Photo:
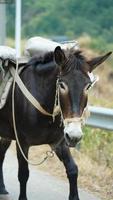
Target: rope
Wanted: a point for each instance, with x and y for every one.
(49, 154)
(82, 119)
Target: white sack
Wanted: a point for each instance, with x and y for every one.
(7, 52)
(39, 46)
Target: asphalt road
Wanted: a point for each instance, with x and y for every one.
(41, 186)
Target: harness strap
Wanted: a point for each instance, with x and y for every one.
(49, 154)
(28, 95)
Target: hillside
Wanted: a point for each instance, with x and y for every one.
(67, 17)
(102, 92)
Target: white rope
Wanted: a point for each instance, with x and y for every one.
(82, 119)
(49, 154)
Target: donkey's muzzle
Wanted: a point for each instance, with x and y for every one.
(71, 141)
(73, 132)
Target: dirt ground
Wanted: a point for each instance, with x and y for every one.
(92, 177)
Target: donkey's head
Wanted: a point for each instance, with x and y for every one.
(75, 80)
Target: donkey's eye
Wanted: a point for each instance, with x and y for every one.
(63, 88)
(62, 85)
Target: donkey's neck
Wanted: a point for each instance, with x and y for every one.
(42, 87)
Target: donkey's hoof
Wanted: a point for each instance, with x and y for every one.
(22, 199)
(5, 197)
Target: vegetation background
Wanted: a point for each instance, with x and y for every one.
(66, 17)
(91, 23)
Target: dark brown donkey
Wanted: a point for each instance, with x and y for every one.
(59, 78)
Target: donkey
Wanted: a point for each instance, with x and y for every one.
(58, 78)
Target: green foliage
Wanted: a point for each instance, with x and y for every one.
(10, 26)
(98, 144)
(100, 44)
(66, 17)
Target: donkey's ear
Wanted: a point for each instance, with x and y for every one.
(97, 61)
(59, 55)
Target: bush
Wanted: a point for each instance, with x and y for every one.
(98, 144)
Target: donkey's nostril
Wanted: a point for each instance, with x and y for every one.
(79, 138)
(72, 141)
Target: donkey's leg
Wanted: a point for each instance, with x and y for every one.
(23, 171)
(4, 144)
(64, 155)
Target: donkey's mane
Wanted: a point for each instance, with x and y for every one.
(35, 60)
(80, 62)
(75, 60)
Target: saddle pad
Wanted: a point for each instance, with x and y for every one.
(7, 53)
(5, 87)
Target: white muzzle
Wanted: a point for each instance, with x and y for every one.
(72, 131)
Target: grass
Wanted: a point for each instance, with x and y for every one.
(98, 144)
